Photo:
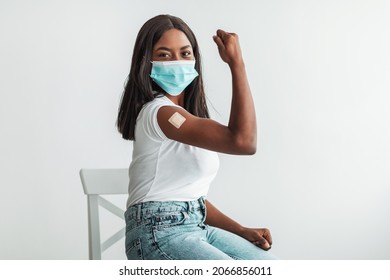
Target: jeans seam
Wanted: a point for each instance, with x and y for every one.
(158, 247)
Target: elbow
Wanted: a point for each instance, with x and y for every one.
(246, 147)
(250, 150)
(253, 150)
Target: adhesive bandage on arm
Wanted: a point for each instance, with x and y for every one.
(177, 120)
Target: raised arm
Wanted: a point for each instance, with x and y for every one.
(239, 136)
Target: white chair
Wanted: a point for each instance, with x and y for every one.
(97, 182)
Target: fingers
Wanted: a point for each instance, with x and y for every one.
(220, 39)
(223, 35)
(219, 42)
(264, 239)
(262, 243)
(267, 235)
(228, 47)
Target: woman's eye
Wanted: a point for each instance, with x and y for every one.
(163, 55)
(186, 53)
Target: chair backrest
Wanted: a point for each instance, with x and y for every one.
(97, 182)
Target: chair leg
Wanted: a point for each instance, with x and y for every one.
(94, 227)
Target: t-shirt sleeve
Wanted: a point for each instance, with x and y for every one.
(151, 126)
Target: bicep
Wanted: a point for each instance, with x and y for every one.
(179, 125)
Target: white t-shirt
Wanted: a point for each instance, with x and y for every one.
(163, 169)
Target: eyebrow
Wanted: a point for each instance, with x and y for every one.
(168, 49)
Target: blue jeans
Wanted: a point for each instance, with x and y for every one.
(175, 230)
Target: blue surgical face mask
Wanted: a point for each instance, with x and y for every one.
(173, 76)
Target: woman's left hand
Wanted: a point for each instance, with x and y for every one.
(261, 237)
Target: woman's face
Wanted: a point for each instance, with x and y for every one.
(173, 45)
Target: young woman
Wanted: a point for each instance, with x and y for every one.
(163, 109)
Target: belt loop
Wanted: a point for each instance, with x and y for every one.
(139, 208)
(188, 206)
(202, 202)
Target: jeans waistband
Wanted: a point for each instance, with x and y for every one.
(149, 208)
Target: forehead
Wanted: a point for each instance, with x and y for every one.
(172, 38)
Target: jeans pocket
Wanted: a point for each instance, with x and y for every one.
(165, 231)
(134, 250)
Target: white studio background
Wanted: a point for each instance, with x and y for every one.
(319, 72)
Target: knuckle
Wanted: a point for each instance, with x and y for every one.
(263, 241)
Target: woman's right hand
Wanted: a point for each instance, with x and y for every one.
(228, 47)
